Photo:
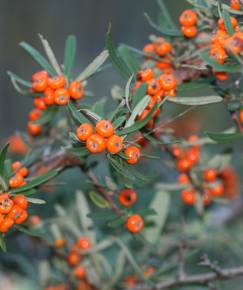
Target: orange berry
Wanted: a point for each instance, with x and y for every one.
(183, 165)
(16, 181)
(235, 4)
(177, 152)
(148, 48)
(34, 129)
(241, 116)
(104, 128)
(16, 165)
(193, 155)
(23, 171)
(59, 243)
(217, 190)
(189, 32)
(84, 243)
(57, 82)
(144, 115)
(133, 154)
(84, 131)
(35, 114)
(188, 18)
(6, 224)
(73, 259)
(114, 144)
(39, 75)
(167, 82)
(95, 143)
(163, 65)
(218, 54)
(233, 21)
(183, 178)
(76, 90)
(6, 203)
(15, 212)
(221, 76)
(39, 104)
(21, 201)
(49, 96)
(145, 75)
(127, 197)
(153, 87)
(79, 272)
(188, 197)
(61, 97)
(163, 48)
(210, 175)
(22, 217)
(135, 224)
(40, 84)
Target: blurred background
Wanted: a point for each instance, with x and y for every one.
(87, 19)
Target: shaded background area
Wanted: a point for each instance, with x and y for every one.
(87, 19)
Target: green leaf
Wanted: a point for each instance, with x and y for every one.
(224, 137)
(140, 93)
(147, 212)
(117, 222)
(99, 107)
(3, 154)
(119, 121)
(69, 54)
(163, 30)
(129, 58)
(3, 244)
(116, 60)
(78, 151)
(36, 200)
(138, 125)
(79, 117)
(218, 67)
(33, 233)
(19, 79)
(38, 58)
(35, 182)
(196, 101)
(93, 66)
(120, 168)
(47, 115)
(165, 13)
(160, 204)
(98, 199)
(227, 22)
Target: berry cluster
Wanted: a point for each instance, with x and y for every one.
(20, 172)
(235, 4)
(50, 91)
(127, 197)
(188, 20)
(12, 210)
(75, 256)
(104, 138)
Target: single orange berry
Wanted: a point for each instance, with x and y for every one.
(6, 224)
(217, 190)
(104, 128)
(163, 48)
(57, 82)
(76, 90)
(73, 259)
(183, 178)
(95, 143)
(84, 131)
(218, 54)
(59, 243)
(135, 224)
(6, 203)
(79, 272)
(188, 197)
(148, 48)
(188, 18)
(16, 165)
(24, 171)
(133, 154)
(127, 197)
(22, 217)
(40, 104)
(40, 84)
(15, 212)
(61, 97)
(167, 82)
(84, 243)
(39, 75)
(114, 144)
(183, 165)
(221, 76)
(235, 4)
(177, 152)
(192, 155)
(210, 175)
(21, 201)
(153, 87)
(145, 75)
(189, 32)
(35, 114)
(49, 96)
(34, 129)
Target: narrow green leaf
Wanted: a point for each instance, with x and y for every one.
(224, 137)
(117, 222)
(140, 93)
(129, 58)
(127, 92)
(29, 232)
(122, 170)
(119, 121)
(3, 244)
(227, 22)
(160, 204)
(78, 116)
(38, 58)
(69, 54)
(3, 154)
(78, 151)
(98, 200)
(35, 182)
(165, 13)
(19, 79)
(93, 66)
(163, 30)
(116, 60)
(36, 200)
(196, 101)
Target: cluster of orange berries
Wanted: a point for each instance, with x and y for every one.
(222, 44)
(104, 138)
(50, 91)
(235, 4)
(188, 20)
(75, 257)
(127, 197)
(20, 172)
